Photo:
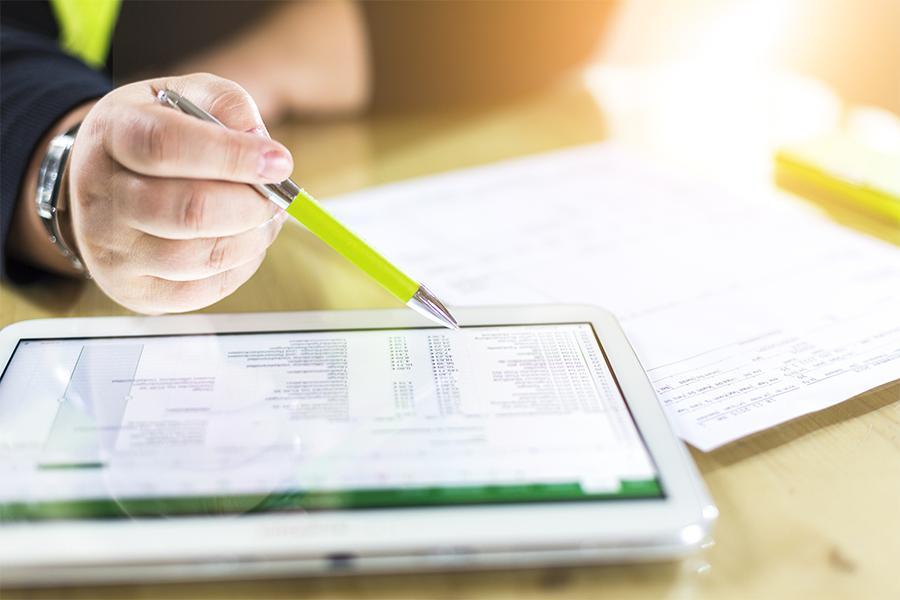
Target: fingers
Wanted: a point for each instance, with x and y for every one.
(160, 207)
(160, 141)
(158, 295)
(188, 260)
(188, 209)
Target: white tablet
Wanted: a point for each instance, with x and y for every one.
(272, 444)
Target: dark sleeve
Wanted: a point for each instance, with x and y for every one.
(446, 53)
(40, 84)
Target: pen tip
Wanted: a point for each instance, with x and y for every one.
(428, 305)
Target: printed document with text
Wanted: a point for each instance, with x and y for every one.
(745, 311)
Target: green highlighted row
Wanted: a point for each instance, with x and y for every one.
(108, 508)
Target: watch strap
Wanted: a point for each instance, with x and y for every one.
(51, 206)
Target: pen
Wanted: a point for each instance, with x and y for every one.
(304, 208)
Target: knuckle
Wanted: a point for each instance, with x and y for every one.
(130, 132)
(145, 192)
(218, 254)
(144, 198)
(194, 209)
(232, 100)
(101, 258)
(136, 187)
(156, 143)
(234, 153)
(95, 127)
(229, 281)
(88, 199)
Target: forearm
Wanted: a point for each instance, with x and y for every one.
(28, 239)
(427, 55)
(306, 57)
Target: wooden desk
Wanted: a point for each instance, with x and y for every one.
(808, 509)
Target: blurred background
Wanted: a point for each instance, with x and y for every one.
(805, 93)
(446, 50)
(705, 75)
(852, 46)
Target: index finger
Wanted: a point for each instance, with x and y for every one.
(160, 141)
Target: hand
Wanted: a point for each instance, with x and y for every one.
(161, 212)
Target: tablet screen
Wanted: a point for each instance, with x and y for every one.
(315, 420)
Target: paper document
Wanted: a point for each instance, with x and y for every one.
(745, 311)
(349, 418)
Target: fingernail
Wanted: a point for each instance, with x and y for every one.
(274, 165)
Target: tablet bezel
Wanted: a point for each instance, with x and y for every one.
(361, 539)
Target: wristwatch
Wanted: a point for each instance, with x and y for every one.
(51, 204)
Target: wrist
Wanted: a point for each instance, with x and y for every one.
(51, 196)
(28, 239)
(64, 222)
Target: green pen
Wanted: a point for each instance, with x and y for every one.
(303, 207)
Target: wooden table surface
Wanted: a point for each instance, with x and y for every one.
(808, 509)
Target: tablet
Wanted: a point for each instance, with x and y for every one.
(276, 444)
